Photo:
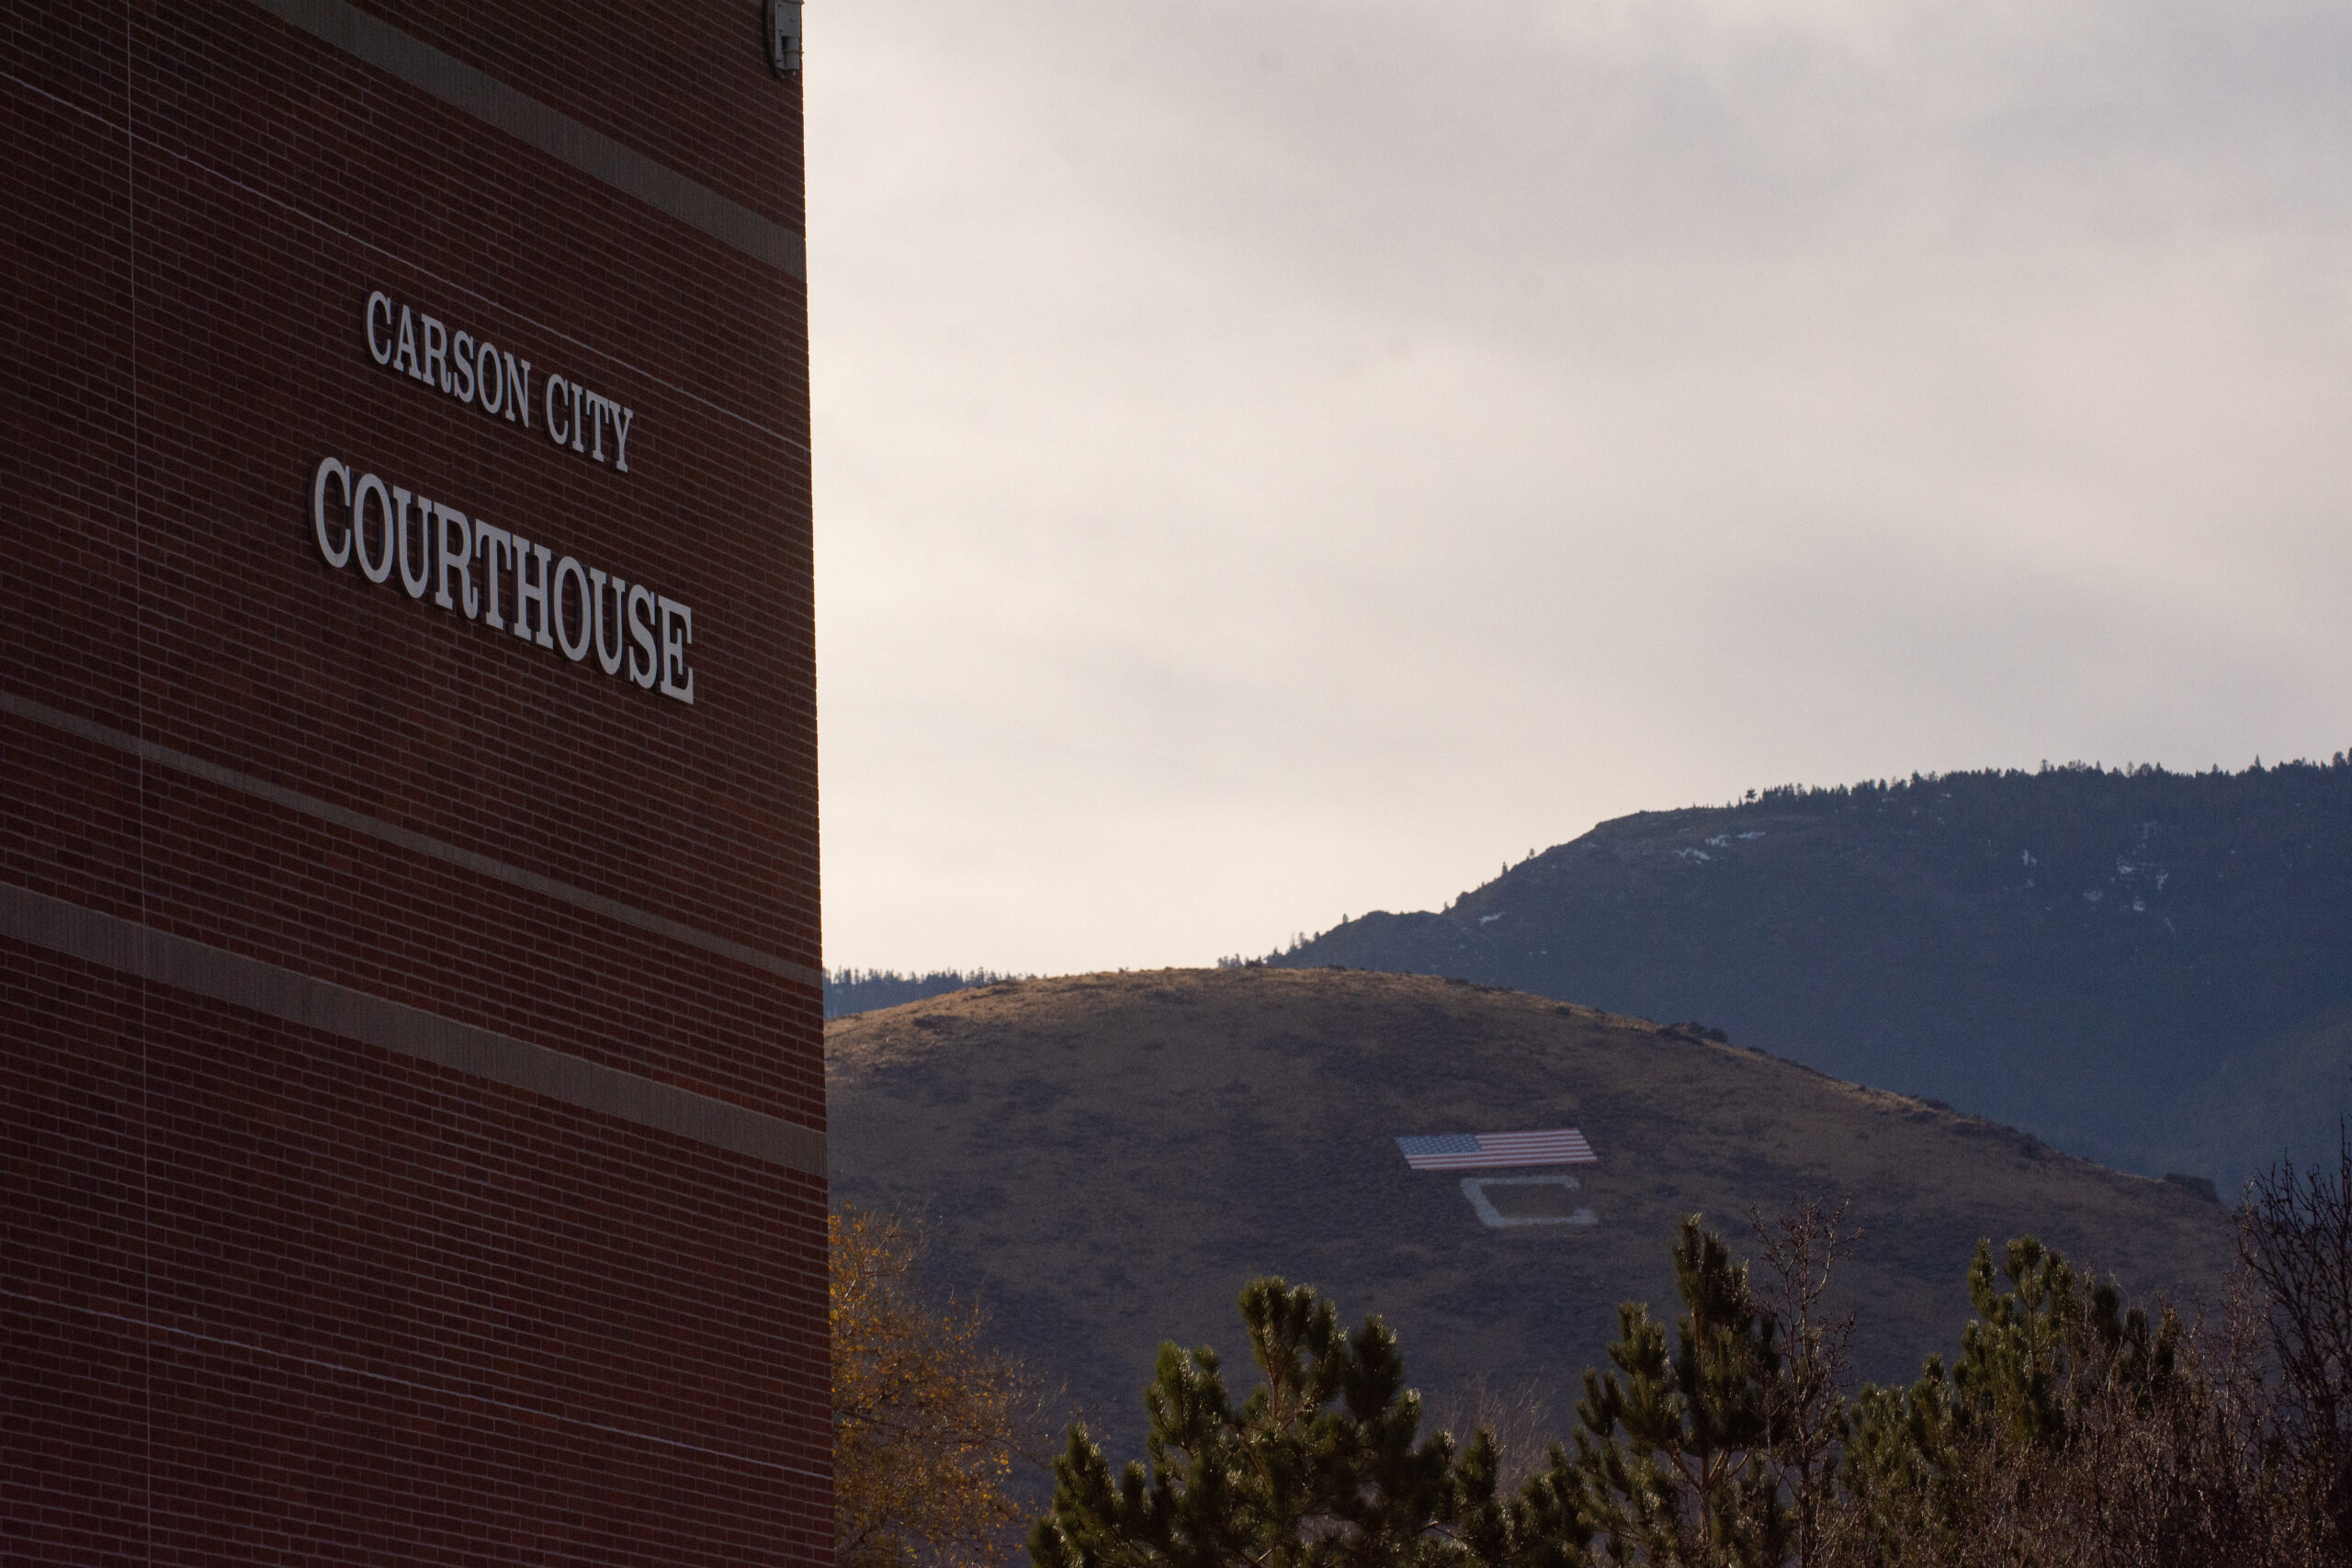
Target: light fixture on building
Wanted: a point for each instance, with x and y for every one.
(784, 37)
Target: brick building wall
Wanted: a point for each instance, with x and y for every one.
(412, 1060)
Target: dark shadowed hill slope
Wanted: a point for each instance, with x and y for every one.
(2150, 969)
(1107, 1158)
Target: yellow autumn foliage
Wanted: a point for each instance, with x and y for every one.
(928, 1422)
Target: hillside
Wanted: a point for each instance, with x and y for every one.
(2150, 969)
(1106, 1158)
(850, 991)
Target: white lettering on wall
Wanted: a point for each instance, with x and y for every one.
(336, 550)
(643, 667)
(459, 364)
(377, 566)
(555, 602)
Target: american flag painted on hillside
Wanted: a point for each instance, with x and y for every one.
(1482, 1151)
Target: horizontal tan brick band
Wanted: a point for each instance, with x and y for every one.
(408, 839)
(129, 948)
(550, 131)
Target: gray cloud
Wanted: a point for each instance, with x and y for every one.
(1282, 459)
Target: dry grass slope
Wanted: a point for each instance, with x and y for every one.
(1106, 1158)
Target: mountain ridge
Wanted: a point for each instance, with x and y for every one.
(2150, 969)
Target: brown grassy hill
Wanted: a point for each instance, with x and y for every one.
(1106, 1158)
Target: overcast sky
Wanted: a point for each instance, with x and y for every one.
(1276, 460)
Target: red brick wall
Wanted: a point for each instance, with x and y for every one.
(271, 1292)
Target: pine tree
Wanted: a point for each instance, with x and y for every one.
(1319, 1466)
(1973, 1459)
(1674, 1462)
